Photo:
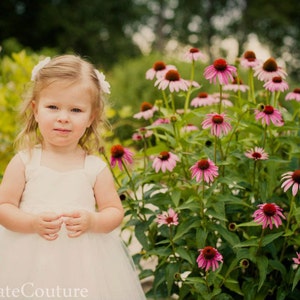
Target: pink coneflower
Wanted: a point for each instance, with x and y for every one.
(297, 259)
(294, 95)
(236, 85)
(269, 114)
(209, 257)
(172, 80)
(268, 70)
(225, 103)
(189, 128)
(142, 134)
(203, 99)
(165, 161)
(249, 60)
(147, 111)
(194, 54)
(257, 154)
(276, 84)
(292, 179)
(161, 121)
(267, 214)
(225, 97)
(217, 123)
(204, 170)
(219, 70)
(158, 70)
(120, 155)
(168, 218)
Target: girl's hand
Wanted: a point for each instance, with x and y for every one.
(47, 225)
(77, 222)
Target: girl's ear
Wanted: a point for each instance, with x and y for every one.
(34, 109)
(92, 118)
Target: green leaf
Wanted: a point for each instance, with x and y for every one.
(262, 265)
(161, 252)
(140, 230)
(176, 194)
(233, 285)
(230, 237)
(171, 270)
(270, 238)
(201, 236)
(185, 254)
(248, 224)
(249, 243)
(277, 265)
(296, 278)
(185, 228)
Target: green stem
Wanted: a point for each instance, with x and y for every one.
(233, 132)
(254, 173)
(206, 282)
(288, 222)
(277, 95)
(227, 274)
(251, 85)
(187, 99)
(264, 137)
(172, 242)
(130, 180)
(173, 102)
(111, 170)
(260, 241)
(165, 99)
(215, 150)
(202, 200)
(221, 96)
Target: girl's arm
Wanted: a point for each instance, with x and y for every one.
(11, 190)
(110, 210)
(14, 219)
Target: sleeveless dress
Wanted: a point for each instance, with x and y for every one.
(93, 266)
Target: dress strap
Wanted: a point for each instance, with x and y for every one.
(93, 166)
(32, 156)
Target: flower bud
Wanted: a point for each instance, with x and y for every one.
(232, 227)
(244, 263)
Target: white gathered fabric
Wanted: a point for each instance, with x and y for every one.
(97, 264)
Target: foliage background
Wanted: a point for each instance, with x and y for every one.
(109, 32)
(124, 38)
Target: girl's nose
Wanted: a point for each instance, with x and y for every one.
(63, 117)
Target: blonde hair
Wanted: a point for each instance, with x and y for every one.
(72, 69)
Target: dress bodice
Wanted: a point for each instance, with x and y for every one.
(49, 190)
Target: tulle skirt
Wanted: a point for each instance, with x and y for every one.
(92, 266)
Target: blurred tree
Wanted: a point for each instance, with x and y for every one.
(202, 23)
(108, 31)
(276, 23)
(190, 22)
(94, 28)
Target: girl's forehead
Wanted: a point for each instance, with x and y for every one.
(65, 90)
(66, 86)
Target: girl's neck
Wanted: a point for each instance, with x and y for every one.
(63, 159)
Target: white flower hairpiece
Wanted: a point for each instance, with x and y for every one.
(104, 85)
(38, 67)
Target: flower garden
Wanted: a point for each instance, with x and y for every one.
(210, 181)
(209, 177)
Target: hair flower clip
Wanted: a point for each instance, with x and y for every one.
(104, 85)
(38, 67)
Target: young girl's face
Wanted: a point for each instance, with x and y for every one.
(63, 112)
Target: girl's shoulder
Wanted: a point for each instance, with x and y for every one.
(29, 156)
(94, 163)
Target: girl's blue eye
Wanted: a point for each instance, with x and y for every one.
(76, 110)
(52, 107)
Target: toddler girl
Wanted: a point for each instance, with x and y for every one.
(58, 204)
